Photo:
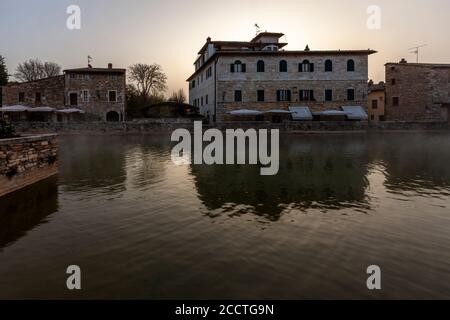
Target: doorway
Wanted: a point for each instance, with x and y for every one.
(73, 99)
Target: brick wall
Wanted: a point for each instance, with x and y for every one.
(26, 160)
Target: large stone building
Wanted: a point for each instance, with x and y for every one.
(417, 92)
(99, 93)
(259, 75)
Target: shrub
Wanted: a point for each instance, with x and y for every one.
(6, 129)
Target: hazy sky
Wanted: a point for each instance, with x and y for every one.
(171, 32)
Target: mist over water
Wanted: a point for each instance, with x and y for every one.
(141, 227)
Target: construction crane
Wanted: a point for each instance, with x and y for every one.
(415, 50)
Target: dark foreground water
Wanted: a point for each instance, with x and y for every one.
(140, 227)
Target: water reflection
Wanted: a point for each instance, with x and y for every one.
(315, 172)
(26, 209)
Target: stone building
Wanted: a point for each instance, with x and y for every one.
(375, 107)
(98, 93)
(417, 92)
(260, 76)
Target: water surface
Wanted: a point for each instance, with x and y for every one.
(140, 227)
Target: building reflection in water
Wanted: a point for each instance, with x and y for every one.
(26, 209)
(315, 172)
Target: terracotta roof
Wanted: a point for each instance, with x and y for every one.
(95, 70)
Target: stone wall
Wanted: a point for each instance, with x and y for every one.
(164, 125)
(423, 92)
(51, 91)
(26, 160)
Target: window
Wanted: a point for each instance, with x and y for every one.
(283, 95)
(112, 96)
(260, 66)
(237, 66)
(395, 101)
(112, 77)
(351, 94)
(328, 66)
(209, 73)
(193, 83)
(374, 104)
(73, 98)
(328, 95)
(350, 65)
(306, 95)
(73, 76)
(372, 117)
(237, 95)
(85, 95)
(393, 82)
(306, 66)
(21, 96)
(206, 99)
(283, 66)
(260, 94)
(201, 103)
(38, 98)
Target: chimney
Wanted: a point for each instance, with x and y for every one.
(109, 65)
(403, 61)
(208, 39)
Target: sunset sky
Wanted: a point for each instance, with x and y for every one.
(171, 32)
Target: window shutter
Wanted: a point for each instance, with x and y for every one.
(311, 67)
(289, 95)
(243, 67)
(311, 95)
(232, 67)
(278, 95)
(300, 67)
(301, 95)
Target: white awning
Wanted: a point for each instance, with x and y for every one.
(41, 109)
(278, 111)
(301, 113)
(16, 108)
(355, 112)
(70, 110)
(245, 112)
(330, 113)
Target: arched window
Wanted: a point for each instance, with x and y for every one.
(260, 66)
(306, 66)
(237, 66)
(283, 66)
(328, 66)
(350, 65)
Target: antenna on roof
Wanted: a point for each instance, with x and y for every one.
(258, 29)
(415, 50)
(89, 58)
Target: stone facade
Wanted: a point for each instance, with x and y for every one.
(376, 102)
(225, 67)
(417, 92)
(98, 92)
(26, 160)
(45, 92)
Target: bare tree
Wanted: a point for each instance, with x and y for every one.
(178, 96)
(35, 69)
(51, 69)
(149, 79)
